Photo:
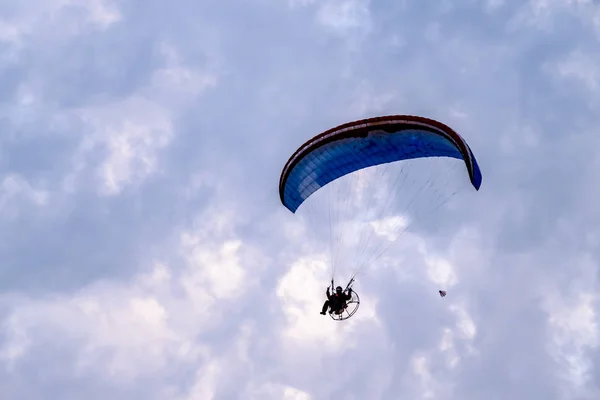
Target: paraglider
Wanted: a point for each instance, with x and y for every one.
(342, 304)
(379, 177)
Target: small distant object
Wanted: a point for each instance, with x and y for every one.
(442, 293)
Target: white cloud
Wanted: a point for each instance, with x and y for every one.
(421, 370)
(205, 385)
(221, 270)
(122, 331)
(227, 289)
(177, 84)
(391, 227)
(132, 132)
(302, 294)
(440, 271)
(580, 66)
(349, 19)
(15, 191)
(125, 330)
(101, 12)
(348, 14)
(33, 17)
(574, 331)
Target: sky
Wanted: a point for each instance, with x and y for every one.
(145, 253)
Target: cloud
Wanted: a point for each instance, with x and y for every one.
(17, 190)
(345, 16)
(145, 252)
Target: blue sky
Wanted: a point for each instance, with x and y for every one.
(144, 250)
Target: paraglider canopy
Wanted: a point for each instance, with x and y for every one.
(365, 143)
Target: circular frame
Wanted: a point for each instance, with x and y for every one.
(348, 311)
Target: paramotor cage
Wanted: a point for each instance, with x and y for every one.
(348, 310)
